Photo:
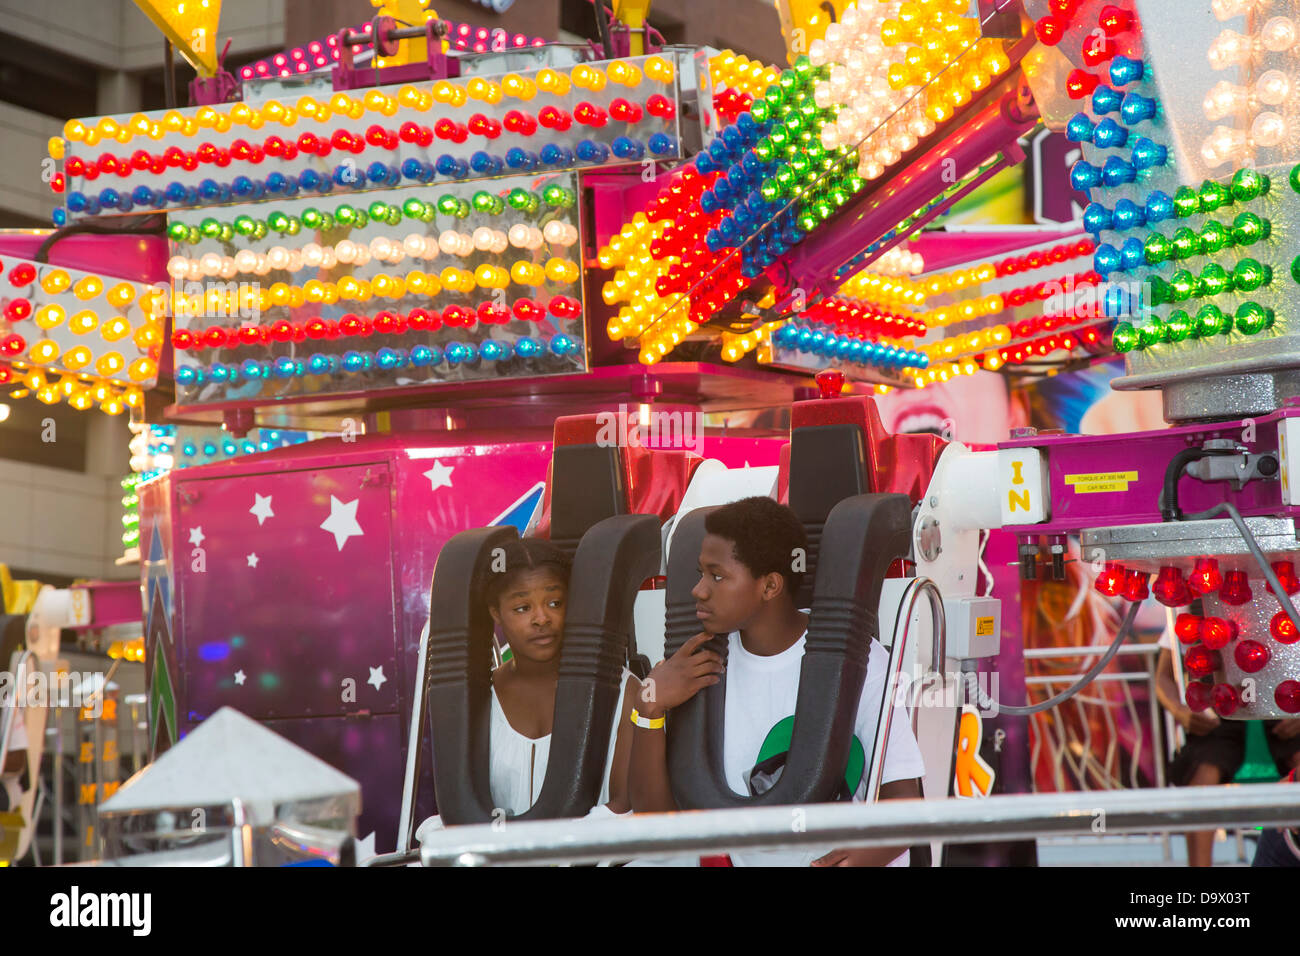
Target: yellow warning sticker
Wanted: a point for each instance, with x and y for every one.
(1102, 481)
(983, 626)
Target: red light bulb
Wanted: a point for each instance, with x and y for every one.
(1205, 576)
(553, 117)
(528, 310)
(1065, 8)
(182, 339)
(282, 330)
(1287, 696)
(1216, 632)
(316, 328)
(1051, 30)
(421, 320)
(1170, 589)
(251, 335)
(1283, 629)
(1114, 20)
(140, 159)
(1200, 662)
(1197, 696)
(1286, 576)
(661, 106)
(1080, 83)
(17, 309)
(830, 382)
(588, 114)
(1236, 588)
(625, 111)
(1225, 699)
(1135, 585)
(1111, 580)
(350, 324)
(23, 274)
(1251, 656)
(13, 344)
(1096, 50)
(215, 337)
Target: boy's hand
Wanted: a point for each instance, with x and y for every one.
(860, 856)
(1198, 722)
(679, 678)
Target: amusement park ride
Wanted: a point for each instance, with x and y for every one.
(509, 286)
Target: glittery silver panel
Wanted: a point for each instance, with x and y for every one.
(1229, 395)
(1146, 547)
(1252, 622)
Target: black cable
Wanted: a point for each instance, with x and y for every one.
(987, 703)
(602, 29)
(155, 224)
(1169, 509)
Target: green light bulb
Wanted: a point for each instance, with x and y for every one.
(1186, 202)
(194, 235)
(1152, 333)
(1295, 268)
(1158, 291)
(784, 177)
(779, 136)
(210, 228)
(1214, 196)
(277, 221)
(1182, 286)
(763, 149)
(378, 210)
(413, 208)
(1249, 184)
(807, 222)
(1215, 280)
(1250, 274)
(1180, 325)
(1125, 338)
(345, 215)
(1157, 249)
(361, 220)
(788, 83)
(1215, 237)
(228, 231)
(559, 196)
(770, 189)
(1186, 243)
(1251, 318)
(311, 218)
(1210, 320)
(1248, 229)
(760, 110)
(1295, 179)
(177, 231)
(326, 222)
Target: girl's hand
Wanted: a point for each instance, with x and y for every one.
(679, 678)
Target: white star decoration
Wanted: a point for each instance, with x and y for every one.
(439, 475)
(240, 677)
(261, 508)
(252, 560)
(342, 522)
(377, 676)
(196, 537)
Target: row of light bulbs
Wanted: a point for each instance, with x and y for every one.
(82, 392)
(229, 302)
(442, 93)
(732, 71)
(1268, 128)
(381, 248)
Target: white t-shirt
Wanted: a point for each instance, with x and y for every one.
(761, 693)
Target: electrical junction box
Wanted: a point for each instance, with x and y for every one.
(974, 627)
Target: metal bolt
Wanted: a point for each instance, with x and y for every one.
(934, 501)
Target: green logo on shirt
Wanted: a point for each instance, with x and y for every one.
(777, 743)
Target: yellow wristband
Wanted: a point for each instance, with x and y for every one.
(649, 723)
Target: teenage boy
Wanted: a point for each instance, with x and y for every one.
(747, 591)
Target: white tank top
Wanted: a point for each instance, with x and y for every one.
(517, 764)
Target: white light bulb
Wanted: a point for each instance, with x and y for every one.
(210, 264)
(380, 247)
(1269, 129)
(278, 257)
(1273, 87)
(449, 242)
(245, 260)
(262, 266)
(817, 52)
(328, 258)
(1229, 49)
(1224, 99)
(482, 238)
(312, 255)
(346, 251)
(177, 266)
(295, 260)
(228, 270)
(193, 270)
(518, 234)
(414, 245)
(1221, 145)
(1279, 34)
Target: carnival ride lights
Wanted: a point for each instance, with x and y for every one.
(613, 113)
(81, 336)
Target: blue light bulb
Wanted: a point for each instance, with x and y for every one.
(625, 147)
(527, 348)
(1137, 108)
(1133, 254)
(519, 158)
(1125, 70)
(1128, 215)
(187, 375)
(318, 364)
(1084, 175)
(1148, 154)
(1106, 100)
(1096, 218)
(1116, 302)
(1106, 259)
(556, 154)
(1117, 172)
(1079, 129)
(591, 152)
(209, 449)
(353, 361)
(1160, 206)
(252, 369)
(189, 450)
(282, 367)
(562, 345)
(1110, 135)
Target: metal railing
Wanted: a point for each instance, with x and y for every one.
(891, 823)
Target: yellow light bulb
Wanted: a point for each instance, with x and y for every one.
(115, 329)
(109, 364)
(659, 68)
(121, 295)
(147, 336)
(44, 352)
(134, 398)
(74, 131)
(142, 369)
(84, 321)
(55, 281)
(88, 287)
